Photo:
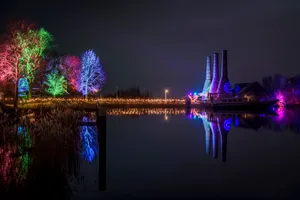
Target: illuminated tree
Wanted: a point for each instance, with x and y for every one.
(23, 87)
(6, 72)
(21, 52)
(38, 41)
(92, 75)
(11, 51)
(71, 70)
(57, 84)
(69, 66)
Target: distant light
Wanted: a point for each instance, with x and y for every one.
(195, 93)
(190, 94)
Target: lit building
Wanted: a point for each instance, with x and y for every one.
(215, 85)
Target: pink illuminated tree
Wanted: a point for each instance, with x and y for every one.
(71, 70)
(69, 66)
(6, 65)
(11, 51)
(22, 51)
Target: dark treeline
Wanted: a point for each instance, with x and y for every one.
(280, 86)
(132, 92)
(279, 82)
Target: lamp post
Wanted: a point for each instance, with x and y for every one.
(166, 91)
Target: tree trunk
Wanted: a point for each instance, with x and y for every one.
(16, 98)
(86, 91)
(29, 90)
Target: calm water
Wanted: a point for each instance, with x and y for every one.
(176, 156)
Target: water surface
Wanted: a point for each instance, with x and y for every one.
(187, 155)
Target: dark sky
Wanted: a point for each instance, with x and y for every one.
(163, 43)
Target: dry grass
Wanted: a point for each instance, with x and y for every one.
(50, 142)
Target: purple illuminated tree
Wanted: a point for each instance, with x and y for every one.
(92, 75)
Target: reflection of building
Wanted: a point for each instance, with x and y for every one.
(218, 125)
(216, 131)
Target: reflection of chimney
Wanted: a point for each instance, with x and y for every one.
(224, 86)
(215, 80)
(208, 74)
(224, 126)
(207, 136)
(215, 145)
(223, 147)
(214, 129)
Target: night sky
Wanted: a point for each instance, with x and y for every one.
(163, 43)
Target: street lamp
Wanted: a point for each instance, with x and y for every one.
(166, 91)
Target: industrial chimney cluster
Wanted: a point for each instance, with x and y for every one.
(214, 84)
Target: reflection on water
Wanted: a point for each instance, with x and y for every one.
(88, 138)
(57, 153)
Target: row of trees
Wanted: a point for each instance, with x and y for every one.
(132, 92)
(25, 59)
(283, 87)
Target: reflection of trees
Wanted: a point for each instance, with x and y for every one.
(8, 166)
(42, 157)
(89, 143)
(14, 157)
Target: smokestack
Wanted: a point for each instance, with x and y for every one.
(224, 64)
(215, 80)
(224, 87)
(208, 74)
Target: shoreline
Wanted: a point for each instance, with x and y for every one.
(111, 106)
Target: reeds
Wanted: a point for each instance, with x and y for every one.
(47, 145)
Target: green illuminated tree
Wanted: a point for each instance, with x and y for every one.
(11, 51)
(57, 84)
(21, 52)
(38, 41)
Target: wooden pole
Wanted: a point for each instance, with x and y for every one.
(101, 127)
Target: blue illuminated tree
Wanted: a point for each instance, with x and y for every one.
(23, 87)
(92, 75)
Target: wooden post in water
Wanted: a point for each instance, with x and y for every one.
(101, 127)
